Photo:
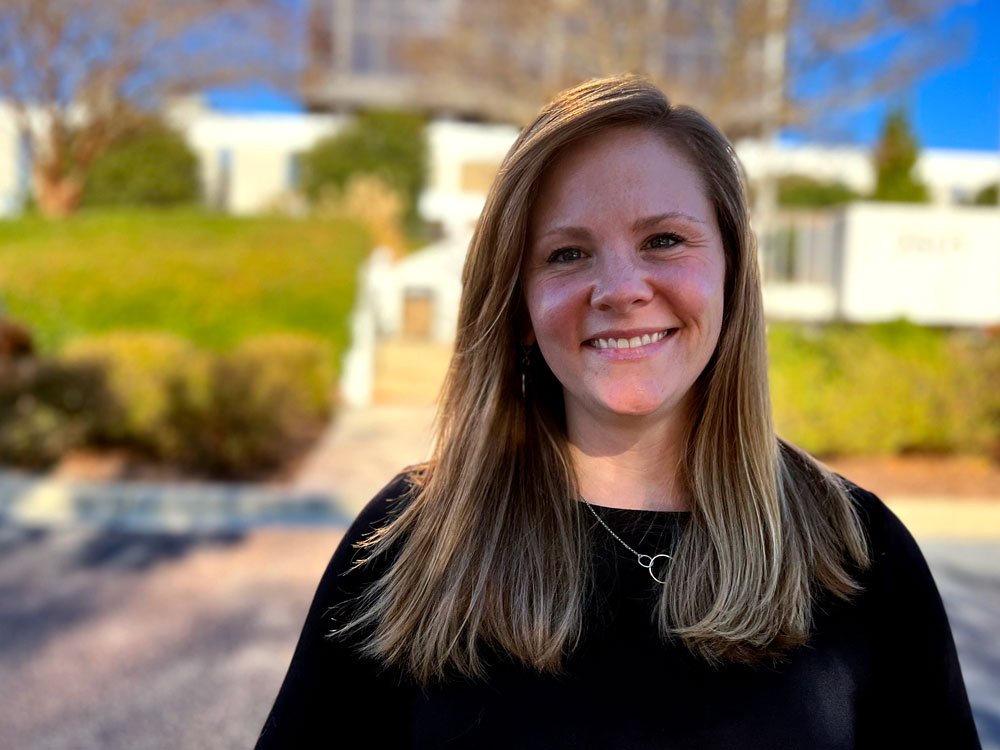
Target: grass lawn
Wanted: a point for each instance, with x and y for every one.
(211, 279)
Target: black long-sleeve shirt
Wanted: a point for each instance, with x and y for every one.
(879, 671)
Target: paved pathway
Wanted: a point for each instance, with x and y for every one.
(968, 577)
(363, 450)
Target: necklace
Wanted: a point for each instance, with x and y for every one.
(645, 561)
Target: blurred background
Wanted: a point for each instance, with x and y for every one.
(231, 238)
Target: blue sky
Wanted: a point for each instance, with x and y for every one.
(957, 106)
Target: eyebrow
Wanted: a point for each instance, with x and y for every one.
(651, 221)
(644, 223)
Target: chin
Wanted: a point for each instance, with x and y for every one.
(635, 407)
(636, 398)
(634, 411)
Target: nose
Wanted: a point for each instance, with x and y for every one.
(619, 286)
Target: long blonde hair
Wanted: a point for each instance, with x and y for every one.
(490, 549)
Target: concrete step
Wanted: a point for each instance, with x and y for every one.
(409, 371)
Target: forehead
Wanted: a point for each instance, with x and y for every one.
(622, 169)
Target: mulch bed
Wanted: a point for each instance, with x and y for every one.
(922, 475)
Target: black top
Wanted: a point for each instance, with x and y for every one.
(878, 672)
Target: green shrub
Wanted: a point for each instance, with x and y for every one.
(140, 367)
(802, 191)
(389, 145)
(240, 413)
(48, 408)
(986, 196)
(153, 166)
(264, 403)
(882, 389)
(292, 366)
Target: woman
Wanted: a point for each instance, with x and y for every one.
(610, 547)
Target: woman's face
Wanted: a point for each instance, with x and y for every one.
(623, 276)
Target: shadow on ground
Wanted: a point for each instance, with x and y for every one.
(118, 640)
(121, 640)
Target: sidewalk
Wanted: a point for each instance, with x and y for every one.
(957, 518)
(363, 449)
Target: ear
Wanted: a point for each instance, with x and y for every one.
(528, 337)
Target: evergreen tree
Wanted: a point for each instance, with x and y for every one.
(894, 158)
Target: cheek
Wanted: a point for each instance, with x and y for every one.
(553, 307)
(696, 292)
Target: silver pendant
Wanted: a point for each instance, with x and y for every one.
(647, 562)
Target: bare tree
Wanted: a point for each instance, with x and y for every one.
(751, 65)
(78, 74)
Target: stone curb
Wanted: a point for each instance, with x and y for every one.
(31, 500)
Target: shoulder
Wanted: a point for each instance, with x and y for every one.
(885, 532)
(345, 576)
(386, 504)
(898, 568)
(916, 696)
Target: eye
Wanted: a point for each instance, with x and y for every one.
(565, 255)
(664, 241)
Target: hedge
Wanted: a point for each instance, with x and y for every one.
(885, 388)
(241, 413)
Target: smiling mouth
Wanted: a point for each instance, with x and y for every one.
(630, 343)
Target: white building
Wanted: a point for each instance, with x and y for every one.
(952, 176)
(249, 162)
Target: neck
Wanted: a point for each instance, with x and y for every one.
(629, 464)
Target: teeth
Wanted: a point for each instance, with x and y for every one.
(632, 343)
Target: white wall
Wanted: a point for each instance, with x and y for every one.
(258, 148)
(436, 269)
(955, 176)
(800, 301)
(452, 144)
(850, 165)
(931, 265)
(13, 179)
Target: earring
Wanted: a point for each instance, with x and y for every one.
(525, 367)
